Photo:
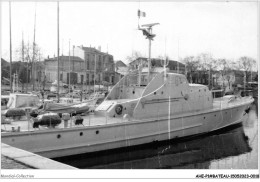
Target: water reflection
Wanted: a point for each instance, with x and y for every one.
(192, 153)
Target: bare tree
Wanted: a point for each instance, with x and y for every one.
(134, 56)
(226, 70)
(25, 54)
(192, 65)
(246, 64)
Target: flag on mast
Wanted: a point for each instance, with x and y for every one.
(141, 13)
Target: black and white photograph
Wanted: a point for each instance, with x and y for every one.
(138, 89)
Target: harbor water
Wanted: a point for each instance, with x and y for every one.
(235, 147)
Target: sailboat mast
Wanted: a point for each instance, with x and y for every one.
(58, 53)
(22, 48)
(33, 58)
(178, 58)
(10, 23)
(69, 67)
(95, 74)
(27, 70)
(22, 57)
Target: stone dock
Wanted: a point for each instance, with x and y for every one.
(14, 158)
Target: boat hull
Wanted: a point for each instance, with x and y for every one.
(54, 143)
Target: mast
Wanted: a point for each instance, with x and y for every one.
(33, 58)
(178, 58)
(23, 55)
(69, 67)
(58, 53)
(27, 69)
(148, 33)
(95, 74)
(10, 23)
(86, 73)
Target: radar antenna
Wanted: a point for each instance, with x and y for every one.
(149, 35)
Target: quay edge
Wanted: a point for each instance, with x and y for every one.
(28, 158)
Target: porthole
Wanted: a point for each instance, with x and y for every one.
(81, 134)
(215, 115)
(154, 93)
(204, 117)
(133, 92)
(162, 92)
(58, 136)
(121, 90)
(97, 132)
(199, 90)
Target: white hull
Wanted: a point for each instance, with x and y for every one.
(87, 139)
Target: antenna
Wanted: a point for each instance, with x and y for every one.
(148, 33)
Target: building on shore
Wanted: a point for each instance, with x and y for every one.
(69, 65)
(96, 64)
(83, 66)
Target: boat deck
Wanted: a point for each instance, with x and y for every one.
(88, 120)
(95, 120)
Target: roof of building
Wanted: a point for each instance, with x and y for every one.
(65, 58)
(4, 62)
(120, 64)
(93, 49)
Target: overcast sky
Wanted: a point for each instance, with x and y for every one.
(224, 29)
